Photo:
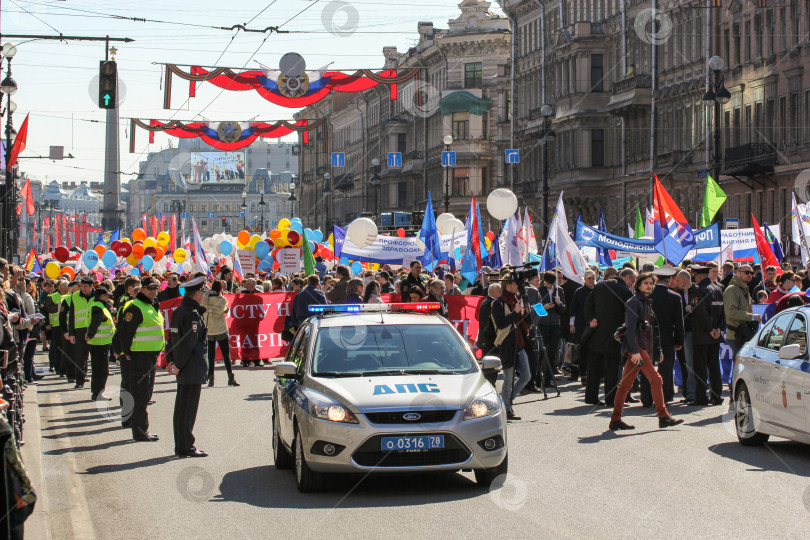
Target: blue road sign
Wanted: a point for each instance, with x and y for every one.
(159, 216)
(210, 214)
(513, 156)
(338, 159)
(185, 215)
(448, 159)
(394, 159)
(250, 222)
(702, 173)
(241, 213)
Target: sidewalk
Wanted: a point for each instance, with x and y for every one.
(38, 524)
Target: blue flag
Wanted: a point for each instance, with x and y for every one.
(430, 236)
(776, 247)
(493, 260)
(549, 261)
(604, 253)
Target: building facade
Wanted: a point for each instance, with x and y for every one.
(174, 181)
(461, 91)
(626, 97)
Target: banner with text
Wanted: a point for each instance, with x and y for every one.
(393, 249)
(255, 321)
(590, 236)
(745, 245)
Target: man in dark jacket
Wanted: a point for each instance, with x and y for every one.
(689, 299)
(412, 279)
(310, 295)
(186, 353)
(552, 298)
(709, 321)
(172, 289)
(339, 291)
(486, 328)
(576, 320)
(436, 290)
(386, 287)
(568, 288)
(668, 333)
(604, 309)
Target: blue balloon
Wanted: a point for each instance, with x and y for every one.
(147, 262)
(109, 258)
(296, 220)
(357, 267)
(308, 232)
(297, 227)
(182, 291)
(317, 236)
(225, 247)
(90, 259)
(261, 249)
(135, 272)
(312, 247)
(265, 264)
(344, 260)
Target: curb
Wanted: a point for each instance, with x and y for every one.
(38, 524)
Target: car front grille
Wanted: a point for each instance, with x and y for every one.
(396, 417)
(370, 454)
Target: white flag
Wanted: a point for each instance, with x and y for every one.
(630, 232)
(798, 222)
(570, 259)
(200, 262)
(512, 252)
(523, 234)
(649, 224)
(531, 240)
(726, 254)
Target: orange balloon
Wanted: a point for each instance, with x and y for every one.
(243, 237)
(69, 272)
(160, 253)
(137, 251)
(139, 234)
(275, 234)
(100, 250)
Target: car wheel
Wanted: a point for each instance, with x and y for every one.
(281, 456)
(307, 480)
(485, 477)
(745, 420)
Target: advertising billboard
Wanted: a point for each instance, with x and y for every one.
(217, 167)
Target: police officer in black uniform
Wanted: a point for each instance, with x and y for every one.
(187, 353)
(708, 323)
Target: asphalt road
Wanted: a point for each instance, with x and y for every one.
(569, 477)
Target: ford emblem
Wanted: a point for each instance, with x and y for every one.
(411, 416)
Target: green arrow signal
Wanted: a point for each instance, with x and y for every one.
(107, 99)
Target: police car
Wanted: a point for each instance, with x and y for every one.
(771, 381)
(388, 388)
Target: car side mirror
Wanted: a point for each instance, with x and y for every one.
(789, 352)
(286, 370)
(490, 363)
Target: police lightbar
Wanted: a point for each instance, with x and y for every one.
(416, 307)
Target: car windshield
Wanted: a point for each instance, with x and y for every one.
(390, 350)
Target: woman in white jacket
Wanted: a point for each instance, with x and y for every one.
(215, 309)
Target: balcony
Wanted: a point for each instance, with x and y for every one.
(674, 158)
(749, 159)
(635, 81)
(633, 91)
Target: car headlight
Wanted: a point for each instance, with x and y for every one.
(487, 404)
(323, 407)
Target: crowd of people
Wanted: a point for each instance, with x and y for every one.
(619, 324)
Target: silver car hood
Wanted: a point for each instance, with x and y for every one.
(402, 392)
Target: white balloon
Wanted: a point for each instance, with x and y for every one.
(501, 203)
(444, 217)
(187, 266)
(450, 225)
(362, 232)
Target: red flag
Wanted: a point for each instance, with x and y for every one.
(19, 144)
(57, 239)
(766, 256)
(66, 223)
(26, 194)
(173, 233)
(46, 231)
(145, 226)
(162, 222)
(154, 222)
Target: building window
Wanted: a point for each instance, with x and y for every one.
(203, 207)
(473, 74)
(758, 33)
(597, 73)
(782, 120)
(165, 207)
(402, 143)
(214, 207)
(597, 148)
(402, 194)
(770, 114)
(748, 125)
(204, 224)
(191, 208)
(461, 178)
(807, 115)
(795, 114)
(737, 127)
(461, 125)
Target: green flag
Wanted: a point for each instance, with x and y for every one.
(309, 260)
(712, 201)
(639, 230)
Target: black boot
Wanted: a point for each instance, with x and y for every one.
(210, 381)
(232, 381)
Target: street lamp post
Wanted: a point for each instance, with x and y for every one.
(9, 87)
(262, 204)
(292, 200)
(546, 136)
(244, 210)
(374, 182)
(327, 192)
(715, 96)
(447, 140)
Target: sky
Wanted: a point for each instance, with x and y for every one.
(56, 79)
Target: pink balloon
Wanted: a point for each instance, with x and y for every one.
(164, 285)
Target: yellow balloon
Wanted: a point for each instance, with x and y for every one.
(150, 242)
(255, 239)
(122, 240)
(52, 270)
(331, 241)
(163, 238)
(488, 242)
(284, 224)
(282, 240)
(180, 255)
(132, 260)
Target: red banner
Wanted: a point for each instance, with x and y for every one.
(66, 224)
(255, 321)
(173, 233)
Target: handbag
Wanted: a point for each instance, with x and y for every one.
(571, 354)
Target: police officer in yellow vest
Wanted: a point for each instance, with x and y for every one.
(99, 336)
(78, 321)
(140, 339)
(67, 346)
(132, 286)
(52, 302)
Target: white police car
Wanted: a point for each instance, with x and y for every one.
(385, 388)
(771, 381)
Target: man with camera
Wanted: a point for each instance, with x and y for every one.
(741, 322)
(549, 325)
(707, 329)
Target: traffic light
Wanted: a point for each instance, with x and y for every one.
(224, 223)
(107, 83)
